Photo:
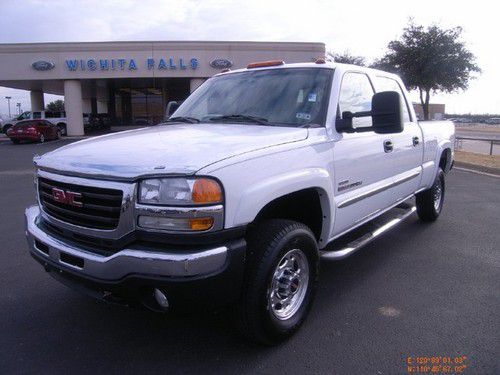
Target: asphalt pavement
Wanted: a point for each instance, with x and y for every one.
(423, 290)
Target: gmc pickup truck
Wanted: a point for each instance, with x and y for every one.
(260, 174)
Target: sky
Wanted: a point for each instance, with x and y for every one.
(360, 27)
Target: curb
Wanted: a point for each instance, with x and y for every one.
(490, 171)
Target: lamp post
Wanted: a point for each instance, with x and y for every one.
(18, 105)
(8, 101)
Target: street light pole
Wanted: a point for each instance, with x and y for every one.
(18, 105)
(8, 101)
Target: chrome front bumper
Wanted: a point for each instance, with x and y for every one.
(126, 262)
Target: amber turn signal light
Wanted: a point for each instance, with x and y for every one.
(206, 190)
(204, 223)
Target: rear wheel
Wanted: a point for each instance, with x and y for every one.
(41, 138)
(280, 281)
(58, 134)
(430, 202)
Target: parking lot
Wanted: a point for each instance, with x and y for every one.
(419, 291)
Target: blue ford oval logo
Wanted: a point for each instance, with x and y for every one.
(221, 64)
(43, 65)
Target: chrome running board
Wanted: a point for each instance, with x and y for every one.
(351, 242)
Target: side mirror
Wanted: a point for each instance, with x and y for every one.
(171, 108)
(387, 112)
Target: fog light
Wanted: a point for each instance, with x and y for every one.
(174, 224)
(161, 299)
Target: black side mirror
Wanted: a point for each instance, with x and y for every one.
(387, 112)
(171, 108)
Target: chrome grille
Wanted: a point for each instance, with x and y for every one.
(100, 207)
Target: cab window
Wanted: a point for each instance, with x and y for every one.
(356, 94)
(389, 84)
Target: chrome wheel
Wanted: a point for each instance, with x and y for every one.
(289, 283)
(438, 195)
(42, 138)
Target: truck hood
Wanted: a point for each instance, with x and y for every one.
(176, 149)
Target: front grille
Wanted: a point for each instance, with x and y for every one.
(100, 210)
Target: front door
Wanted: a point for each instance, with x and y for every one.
(363, 170)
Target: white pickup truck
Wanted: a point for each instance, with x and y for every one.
(256, 177)
(56, 117)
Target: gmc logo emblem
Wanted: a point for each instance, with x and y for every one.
(67, 197)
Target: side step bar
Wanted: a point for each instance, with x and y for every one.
(353, 241)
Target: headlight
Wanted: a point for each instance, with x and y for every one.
(180, 191)
(205, 193)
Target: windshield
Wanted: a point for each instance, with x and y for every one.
(24, 115)
(286, 97)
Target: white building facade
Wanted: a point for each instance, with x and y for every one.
(130, 81)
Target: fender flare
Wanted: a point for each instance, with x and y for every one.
(442, 147)
(257, 196)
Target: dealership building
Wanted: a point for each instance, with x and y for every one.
(130, 81)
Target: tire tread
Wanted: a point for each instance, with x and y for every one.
(262, 241)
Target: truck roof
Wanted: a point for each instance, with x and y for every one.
(316, 65)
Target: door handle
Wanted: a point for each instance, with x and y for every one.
(388, 146)
(416, 141)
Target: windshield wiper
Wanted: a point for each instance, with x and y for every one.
(189, 120)
(254, 119)
(313, 125)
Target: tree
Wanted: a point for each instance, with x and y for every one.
(346, 58)
(430, 60)
(55, 106)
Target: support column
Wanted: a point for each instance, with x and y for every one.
(37, 103)
(73, 106)
(195, 83)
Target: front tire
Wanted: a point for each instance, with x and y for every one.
(280, 281)
(41, 138)
(430, 201)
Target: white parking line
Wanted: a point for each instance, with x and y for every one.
(477, 172)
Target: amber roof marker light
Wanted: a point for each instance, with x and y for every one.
(263, 64)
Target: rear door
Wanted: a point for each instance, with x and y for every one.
(363, 172)
(407, 151)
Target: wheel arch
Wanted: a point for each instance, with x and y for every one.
(304, 196)
(446, 159)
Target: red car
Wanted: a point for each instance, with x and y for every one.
(33, 130)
